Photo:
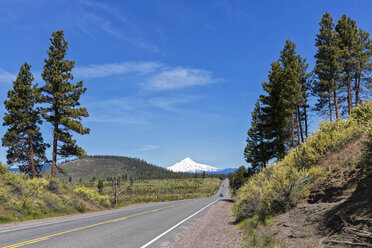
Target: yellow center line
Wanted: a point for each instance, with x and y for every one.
(85, 227)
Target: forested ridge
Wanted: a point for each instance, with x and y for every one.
(106, 168)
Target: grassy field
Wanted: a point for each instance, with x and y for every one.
(159, 190)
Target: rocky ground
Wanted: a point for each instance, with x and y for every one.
(215, 229)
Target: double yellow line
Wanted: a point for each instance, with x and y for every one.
(85, 227)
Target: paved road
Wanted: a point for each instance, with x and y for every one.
(147, 226)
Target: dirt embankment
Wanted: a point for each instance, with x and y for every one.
(338, 212)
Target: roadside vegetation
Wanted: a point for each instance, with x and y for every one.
(22, 198)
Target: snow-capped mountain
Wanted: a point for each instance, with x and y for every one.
(188, 165)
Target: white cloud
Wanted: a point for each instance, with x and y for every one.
(155, 76)
(135, 110)
(142, 148)
(106, 70)
(6, 77)
(179, 77)
(125, 110)
(170, 104)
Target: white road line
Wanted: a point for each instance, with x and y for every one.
(170, 229)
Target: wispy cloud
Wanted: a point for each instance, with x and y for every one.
(143, 148)
(107, 18)
(124, 110)
(106, 70)
(136, 109)
(154, 76)
(170, 104)
(6, 77)
(179, 77)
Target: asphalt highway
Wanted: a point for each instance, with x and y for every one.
(149, 225)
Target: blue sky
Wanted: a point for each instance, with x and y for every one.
(166, 79)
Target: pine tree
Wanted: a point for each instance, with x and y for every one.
(363, 66)
(347, 32)
(327, 68)
(292, 95)
(257, 152)
(273, 117)
(61, 98)
(23, 138)
(302, 110)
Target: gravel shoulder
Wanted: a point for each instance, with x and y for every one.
(215, 229)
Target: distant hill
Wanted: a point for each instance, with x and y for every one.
(106, 167)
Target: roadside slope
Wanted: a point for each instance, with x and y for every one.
(338, 211)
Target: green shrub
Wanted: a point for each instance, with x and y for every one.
(328, 138)
(363, 112)
(33, 197)
(274, 190)
(81, 208)
(367, 152)
(93, 196)
(3, 169)
(13, 203)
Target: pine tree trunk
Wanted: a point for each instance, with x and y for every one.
(32, 162)
(349, 96)
(357, 85)
(298, 129)
(299, 121)
(306, 125)
(330, 109)
(336, 104)
(55, 143)
(292, 131)
(54, 159)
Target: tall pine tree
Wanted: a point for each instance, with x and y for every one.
(347, 31)
(303, 109)
(292, 95)
(61, 100)
(363, 65)
(273, 115)
(327, 67)
(26, 147)
(257, 152)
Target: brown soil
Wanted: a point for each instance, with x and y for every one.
(338, 211)
(215, 229)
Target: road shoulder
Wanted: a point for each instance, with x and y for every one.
(215, 229)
